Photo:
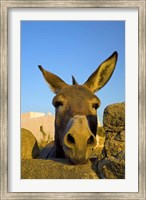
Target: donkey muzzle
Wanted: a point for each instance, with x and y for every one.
(79, 141)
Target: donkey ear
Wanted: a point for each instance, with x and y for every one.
(103, 73)
(55, 83)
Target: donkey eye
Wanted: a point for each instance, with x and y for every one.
(57, 104)
(95, 106)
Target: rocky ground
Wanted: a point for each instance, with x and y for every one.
(109, 156)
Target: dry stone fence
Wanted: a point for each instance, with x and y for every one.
(111, 163)
(108, 160)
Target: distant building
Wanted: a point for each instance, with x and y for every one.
(41, 125)
(31, 115)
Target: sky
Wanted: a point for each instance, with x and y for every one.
(68, 48)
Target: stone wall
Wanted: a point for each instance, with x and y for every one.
(109, 156)
(111, 163)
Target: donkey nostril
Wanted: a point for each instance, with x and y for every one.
(70, 139)
(90, 140)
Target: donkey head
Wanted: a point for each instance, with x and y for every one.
(76, 112)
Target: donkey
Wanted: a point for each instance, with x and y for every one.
(76, 113)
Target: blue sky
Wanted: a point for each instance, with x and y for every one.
(68, 48)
